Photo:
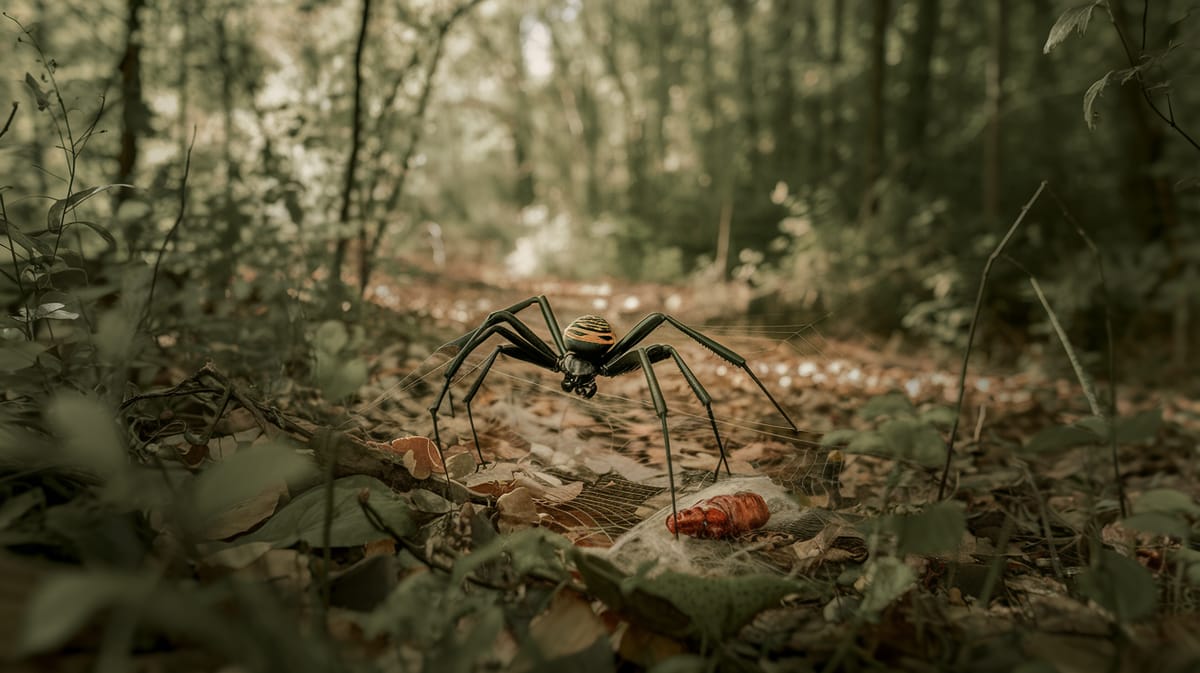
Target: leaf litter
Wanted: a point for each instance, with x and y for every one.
(565, 527)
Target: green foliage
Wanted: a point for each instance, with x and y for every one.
(888, 578)
(937, 529)
(65, 603)
(1165, 511)
(903, 433)
(336, 368)
(1093, 430)
(249, 472)
(303, 519)
(1121, 585)
(677, 603)
(1074, 19)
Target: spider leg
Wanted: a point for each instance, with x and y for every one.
(660, 409)
(525, 346)
(516, 351)
(655, 320)
(658, 353)
(547, 315)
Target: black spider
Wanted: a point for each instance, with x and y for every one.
(587, 349)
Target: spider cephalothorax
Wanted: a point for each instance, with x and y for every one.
(586, 349)
(587, 339)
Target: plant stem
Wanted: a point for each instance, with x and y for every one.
(962, 376)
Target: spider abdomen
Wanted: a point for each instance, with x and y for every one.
(589, 335)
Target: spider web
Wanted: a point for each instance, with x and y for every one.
(612, 443)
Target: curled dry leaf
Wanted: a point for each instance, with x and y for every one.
(558, 494)
(517, 510)
(460, 465)
(420, 456)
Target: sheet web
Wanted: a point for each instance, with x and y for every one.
(612, 446)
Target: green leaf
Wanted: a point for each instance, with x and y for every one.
(331, 337)
(1059, 437)
(101, 231)
(720, 606)
(16, 355)
(1074, 19)
(840, 436)
(937, 529)
(115, 332)
(90, 438)
(1089, 100)
(1158, 523)
(39, 96)
(939, 416)
(304, 517)
(1140, 428)
(30, 243)
(891, 404)
(1190, 558)
(890, 578)
(528, 550)
(1120, 585)
(65, 603)
(868, 442)
(1167, 501)
(339, 378)
(914, 440)
(240, 477)
(55, 216)
(53, 311)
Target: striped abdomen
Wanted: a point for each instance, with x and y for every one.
(589, 335)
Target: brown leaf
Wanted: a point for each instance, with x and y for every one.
(517, 510)
(558, 494)
(421, 457)
(246, 514)
(567, 627)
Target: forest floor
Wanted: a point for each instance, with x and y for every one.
(555, 554)
(1034, 497)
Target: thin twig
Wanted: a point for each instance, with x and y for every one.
(162, 250)
(962, 376)
(1111, 347)
(10, 119)
(1047, 531)
(1085, 379)
(1168, 119)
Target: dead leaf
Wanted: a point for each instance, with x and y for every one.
(246, 514)
(460, 465)
(559, 494)
(421, 457)
(517, 510)
(232, 558)
(567, 627)
(383, 547)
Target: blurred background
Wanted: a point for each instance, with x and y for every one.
(850, 161)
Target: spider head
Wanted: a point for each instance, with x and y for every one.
(579, 375)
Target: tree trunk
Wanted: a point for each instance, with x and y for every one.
(920, 91)
(521, 127)
(873, 154)
(133, 108)
(783, 93)
(992, 137)
(836, 53)
(339, 255)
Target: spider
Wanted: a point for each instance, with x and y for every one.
(588, 348)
